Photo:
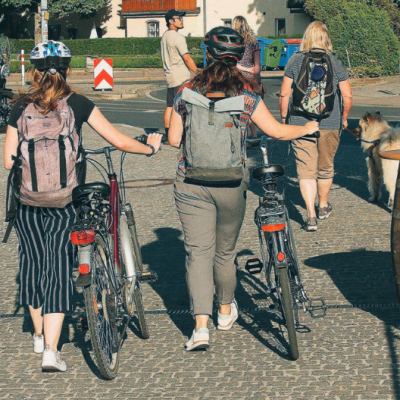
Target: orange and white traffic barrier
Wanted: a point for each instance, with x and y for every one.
(103, 74)
(23, 67)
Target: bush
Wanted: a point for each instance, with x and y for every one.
(100, 47)
(362, 29)
(118, 62)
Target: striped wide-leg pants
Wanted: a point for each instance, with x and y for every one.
(46, 257)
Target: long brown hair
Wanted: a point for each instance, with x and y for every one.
(220, 76)
(241, 25)
(46, 90)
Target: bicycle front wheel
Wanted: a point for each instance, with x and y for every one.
(101, 309)
(288, 312)
(131, 251)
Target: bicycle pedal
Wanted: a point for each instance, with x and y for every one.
(82, 324)
(149, 276)
(317, 310)
(254, 266)
(302, 329)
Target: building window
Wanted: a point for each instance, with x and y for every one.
(54, 32)
(227, 22)
(72, 33)
(280, 26)
(153, 29)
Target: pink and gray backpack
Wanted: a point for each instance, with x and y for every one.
(50, 157)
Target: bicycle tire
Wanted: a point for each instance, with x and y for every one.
(137, 300)
(100, 313)
(291, 241)
(288, 313)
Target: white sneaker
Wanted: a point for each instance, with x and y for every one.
(199, 340)
(38, 343)
(226, 321)
(52, 361)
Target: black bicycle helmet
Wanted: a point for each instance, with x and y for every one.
(225, 44)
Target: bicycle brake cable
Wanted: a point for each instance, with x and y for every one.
(94, 162)
(121, 177)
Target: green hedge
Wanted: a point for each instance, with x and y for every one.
(118, 62)
(99, 47)
(364, 31)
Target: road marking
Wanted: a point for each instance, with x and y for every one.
(151, 97)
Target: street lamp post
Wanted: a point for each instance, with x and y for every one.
(45, 17)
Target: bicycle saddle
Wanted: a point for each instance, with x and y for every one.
(274, 170)
(82, 191)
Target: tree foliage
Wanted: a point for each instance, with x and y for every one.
(364, 30)
(59, 8)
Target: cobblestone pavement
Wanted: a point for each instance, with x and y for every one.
(353, 353)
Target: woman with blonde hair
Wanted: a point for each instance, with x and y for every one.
(49, 110)
(250, 64)
(314, 158)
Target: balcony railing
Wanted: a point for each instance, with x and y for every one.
(148, 6)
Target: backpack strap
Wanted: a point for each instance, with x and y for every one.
(63, 162)
(31, 151)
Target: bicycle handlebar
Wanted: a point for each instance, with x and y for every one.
(103, 150)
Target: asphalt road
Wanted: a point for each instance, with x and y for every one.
(147, 112)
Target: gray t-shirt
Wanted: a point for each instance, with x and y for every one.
(173, 47)
(292, 71)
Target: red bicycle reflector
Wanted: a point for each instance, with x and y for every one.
(273, 227)
(82, 237)
(281, 257)
(84, 269)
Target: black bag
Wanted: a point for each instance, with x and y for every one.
(14, 182)
(313, 93)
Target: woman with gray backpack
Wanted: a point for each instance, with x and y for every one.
(43, 146)
(209, 122)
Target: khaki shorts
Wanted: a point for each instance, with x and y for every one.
(314, 159)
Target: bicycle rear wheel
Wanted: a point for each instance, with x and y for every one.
(101, 309)
(286, 299)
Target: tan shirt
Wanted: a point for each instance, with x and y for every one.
(173, 47)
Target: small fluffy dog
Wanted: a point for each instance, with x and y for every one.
(373, 127)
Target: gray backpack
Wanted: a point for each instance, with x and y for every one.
(214, 142)
(48, 152)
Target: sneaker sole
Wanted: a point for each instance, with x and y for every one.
(325, 216)
(38, 351)
(51, 368)
(311, 229)
(200, 345)
(228, 327)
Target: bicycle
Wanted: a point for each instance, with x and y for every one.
(278, 251)
(110, 263)
(6, 95)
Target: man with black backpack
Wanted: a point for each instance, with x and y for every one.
(316, 88)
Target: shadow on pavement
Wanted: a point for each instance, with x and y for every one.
(366, 277)
(166, 256)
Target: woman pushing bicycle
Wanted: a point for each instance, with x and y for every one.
(212, 177)
(43, 145)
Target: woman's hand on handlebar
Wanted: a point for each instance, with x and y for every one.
(312, 127)
(154, 139)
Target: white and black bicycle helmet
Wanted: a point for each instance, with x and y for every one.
(225, 44)
(51, 55)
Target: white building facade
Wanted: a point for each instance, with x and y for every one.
(145, 18)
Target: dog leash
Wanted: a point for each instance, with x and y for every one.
(373, 142)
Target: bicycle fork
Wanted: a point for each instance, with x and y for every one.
(130, 250)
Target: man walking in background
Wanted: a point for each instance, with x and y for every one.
(177, 61)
